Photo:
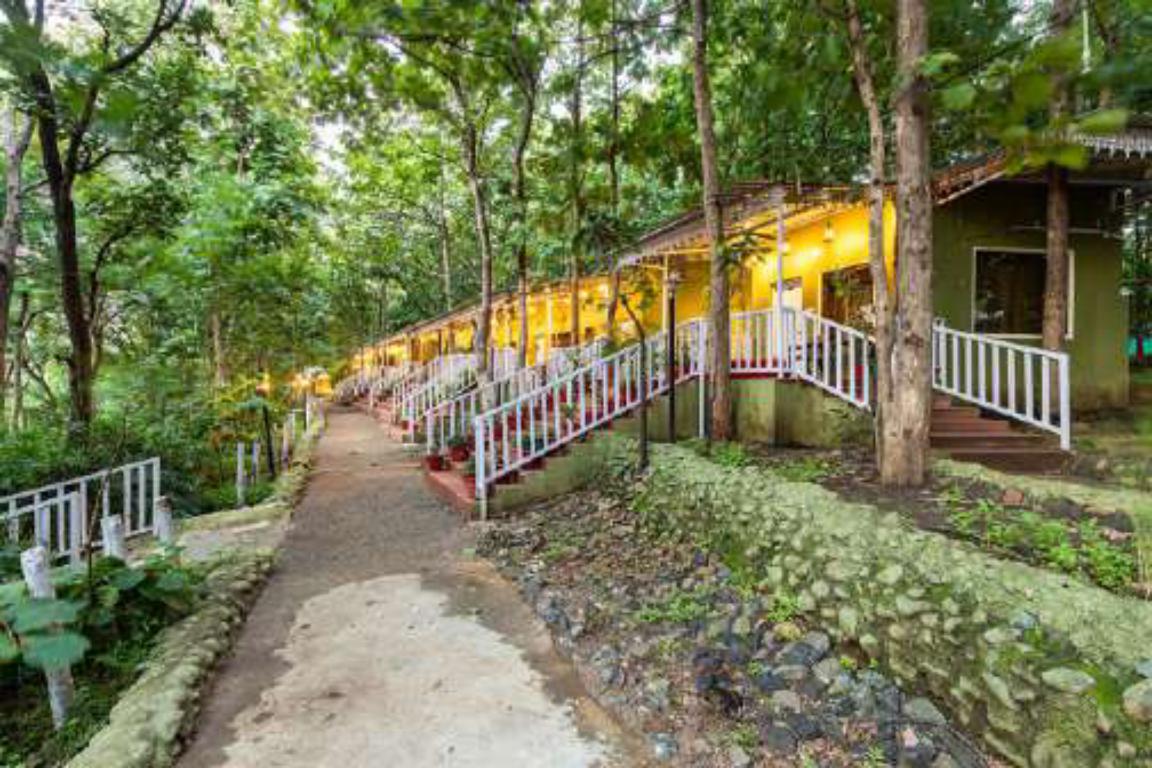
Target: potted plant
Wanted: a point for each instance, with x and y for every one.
(434, 462)
(469, 471)
(459, 448)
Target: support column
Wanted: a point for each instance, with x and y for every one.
(780, 243)
(548, 341)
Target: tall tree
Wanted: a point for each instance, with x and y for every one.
(18, 137)
(906, 425)
(523, 62)
(863, 75)
(67, 152)
(1055, 326)
(576, 174)
(718, 303)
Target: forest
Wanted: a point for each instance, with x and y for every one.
(201, 196)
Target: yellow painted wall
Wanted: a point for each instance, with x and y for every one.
(810, 255)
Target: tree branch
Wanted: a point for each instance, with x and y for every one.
(163, 21)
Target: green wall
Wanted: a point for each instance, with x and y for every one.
(996, 216)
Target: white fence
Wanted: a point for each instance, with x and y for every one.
(1024, 383)
(514, 434)
(453, 418)
(827, 354)
(59, 517)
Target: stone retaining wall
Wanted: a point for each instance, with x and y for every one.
(151, 718)
(1047, 670)
(145, 726)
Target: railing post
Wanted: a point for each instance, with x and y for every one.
(702, 368)
(481, 461)
(34, 564)
(1065, 404)
(112, 532)
(77, 530)
(163, 526)
(241, 475)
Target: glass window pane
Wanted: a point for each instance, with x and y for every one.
(1009, 292)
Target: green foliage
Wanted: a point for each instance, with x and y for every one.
(785, 607)
(680, 607)
(102, 624)
(809, 469)
(730, 455)
(1079, 549)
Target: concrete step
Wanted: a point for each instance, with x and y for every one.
(952, 423)
(1022, 460)
(968, 439)
(959, 411)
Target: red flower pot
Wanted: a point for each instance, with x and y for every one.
(458, 453)
(434, 463)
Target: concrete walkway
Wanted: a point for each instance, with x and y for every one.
(377, 642)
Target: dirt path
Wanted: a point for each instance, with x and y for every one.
(379, 643)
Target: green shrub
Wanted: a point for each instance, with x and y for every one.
(102, 623)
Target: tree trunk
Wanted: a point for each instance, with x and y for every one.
(80, 362)
(718, 319)
(484, 239)
(60, 180)
(520, 192)
(613, 170)
(576, 108)
(865, 86)
(1055, 326)
(906, 426)
(16, 143)
(445, 245)
(23, 324)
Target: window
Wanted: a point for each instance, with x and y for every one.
(793, 293)
(846, 296)
(1009, 291)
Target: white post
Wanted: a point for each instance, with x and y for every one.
(285, 444)
(665, 321)
(163, 526)
(241, 475)
(548, 341)
(77, 528)
(779, 276)
(255, 462)
(1065, 405)
(112, 531)
(34, 564)
(481, 461)
(702, 364)
(307, 413)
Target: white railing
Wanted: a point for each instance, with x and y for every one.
(450, 377)
(834, 357)
(59, 516)
(763, 341)
(453, 418)
(1024, 383)
(822, 352)
(564, 360)
(518, 432)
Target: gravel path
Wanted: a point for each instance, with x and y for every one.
(378, 642)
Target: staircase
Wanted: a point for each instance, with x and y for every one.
(967, 434)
